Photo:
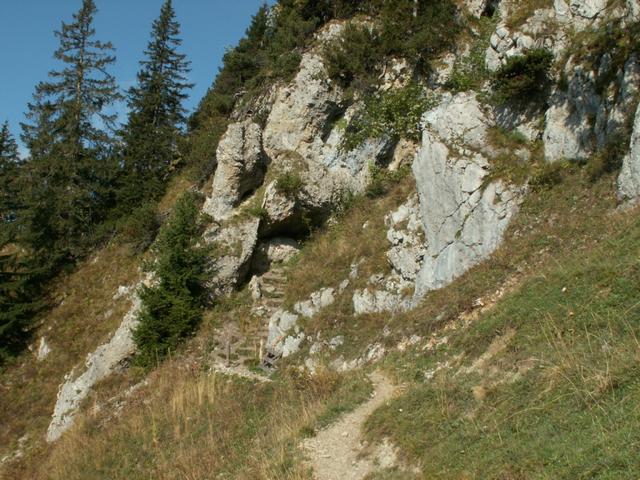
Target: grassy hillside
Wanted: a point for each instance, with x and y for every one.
(541, 384)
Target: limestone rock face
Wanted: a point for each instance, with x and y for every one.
(406, 236)
(301, 112)
(570, 129)
(235, 243)
(307, 121)
(241, 167)
(275, 251)
(629, 179)
(100, 364)
(459, 119)
(464, 217)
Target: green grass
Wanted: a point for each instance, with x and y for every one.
(573, 415)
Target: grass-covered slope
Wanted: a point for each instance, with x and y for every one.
(546, 385)
(541, 382)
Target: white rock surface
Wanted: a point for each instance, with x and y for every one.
(43, 350)
(99, 365)
(629, 179)
(234, 244)
(316, 302)
(274, 251)
(463, 216)
(241, 167)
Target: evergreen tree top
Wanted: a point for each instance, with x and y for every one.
(8, 146)
(162, 79)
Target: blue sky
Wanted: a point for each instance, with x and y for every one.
(27, 41)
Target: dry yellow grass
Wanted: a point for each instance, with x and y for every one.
(82, 316)
(197, 426)
(327, 257)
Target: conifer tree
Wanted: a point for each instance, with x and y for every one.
(16, 307)
(18, 303)
(68, 135)
(9, 172)
(172, 308)
(156, 114)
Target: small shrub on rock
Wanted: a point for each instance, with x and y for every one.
(289, 183)
(524, 77)
(394, 114)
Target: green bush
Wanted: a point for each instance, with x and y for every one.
(470, 71)
(172, 308)
(404, 29)
(257, 211)
(381, 180)
(524, 77)
(609, 158)
(394, 114)
(140, 228)
(290, 184)
(353, 59)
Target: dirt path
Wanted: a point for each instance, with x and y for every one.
(333, 452)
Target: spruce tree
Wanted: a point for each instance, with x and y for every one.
(156, 114)
(9, 173)
(68, 135)
(172, 308)
(16, 307)
(18, 304)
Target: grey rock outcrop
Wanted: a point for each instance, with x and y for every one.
(100, 364)
(580, 120)
(406, 236)
(241, 167)
(234, 243)
(464, 217)
(43, 349)
(274, 251)
(629, 179)
(285, 336)
(283, 213)
(393, 292)
(384, 294)
(307, 121)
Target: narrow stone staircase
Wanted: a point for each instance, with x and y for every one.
(239, 347)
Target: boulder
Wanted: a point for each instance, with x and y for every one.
(316, 302)
(43, 349)
(234, 244)
(283, 213)
(241, 168)
(282, 325)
